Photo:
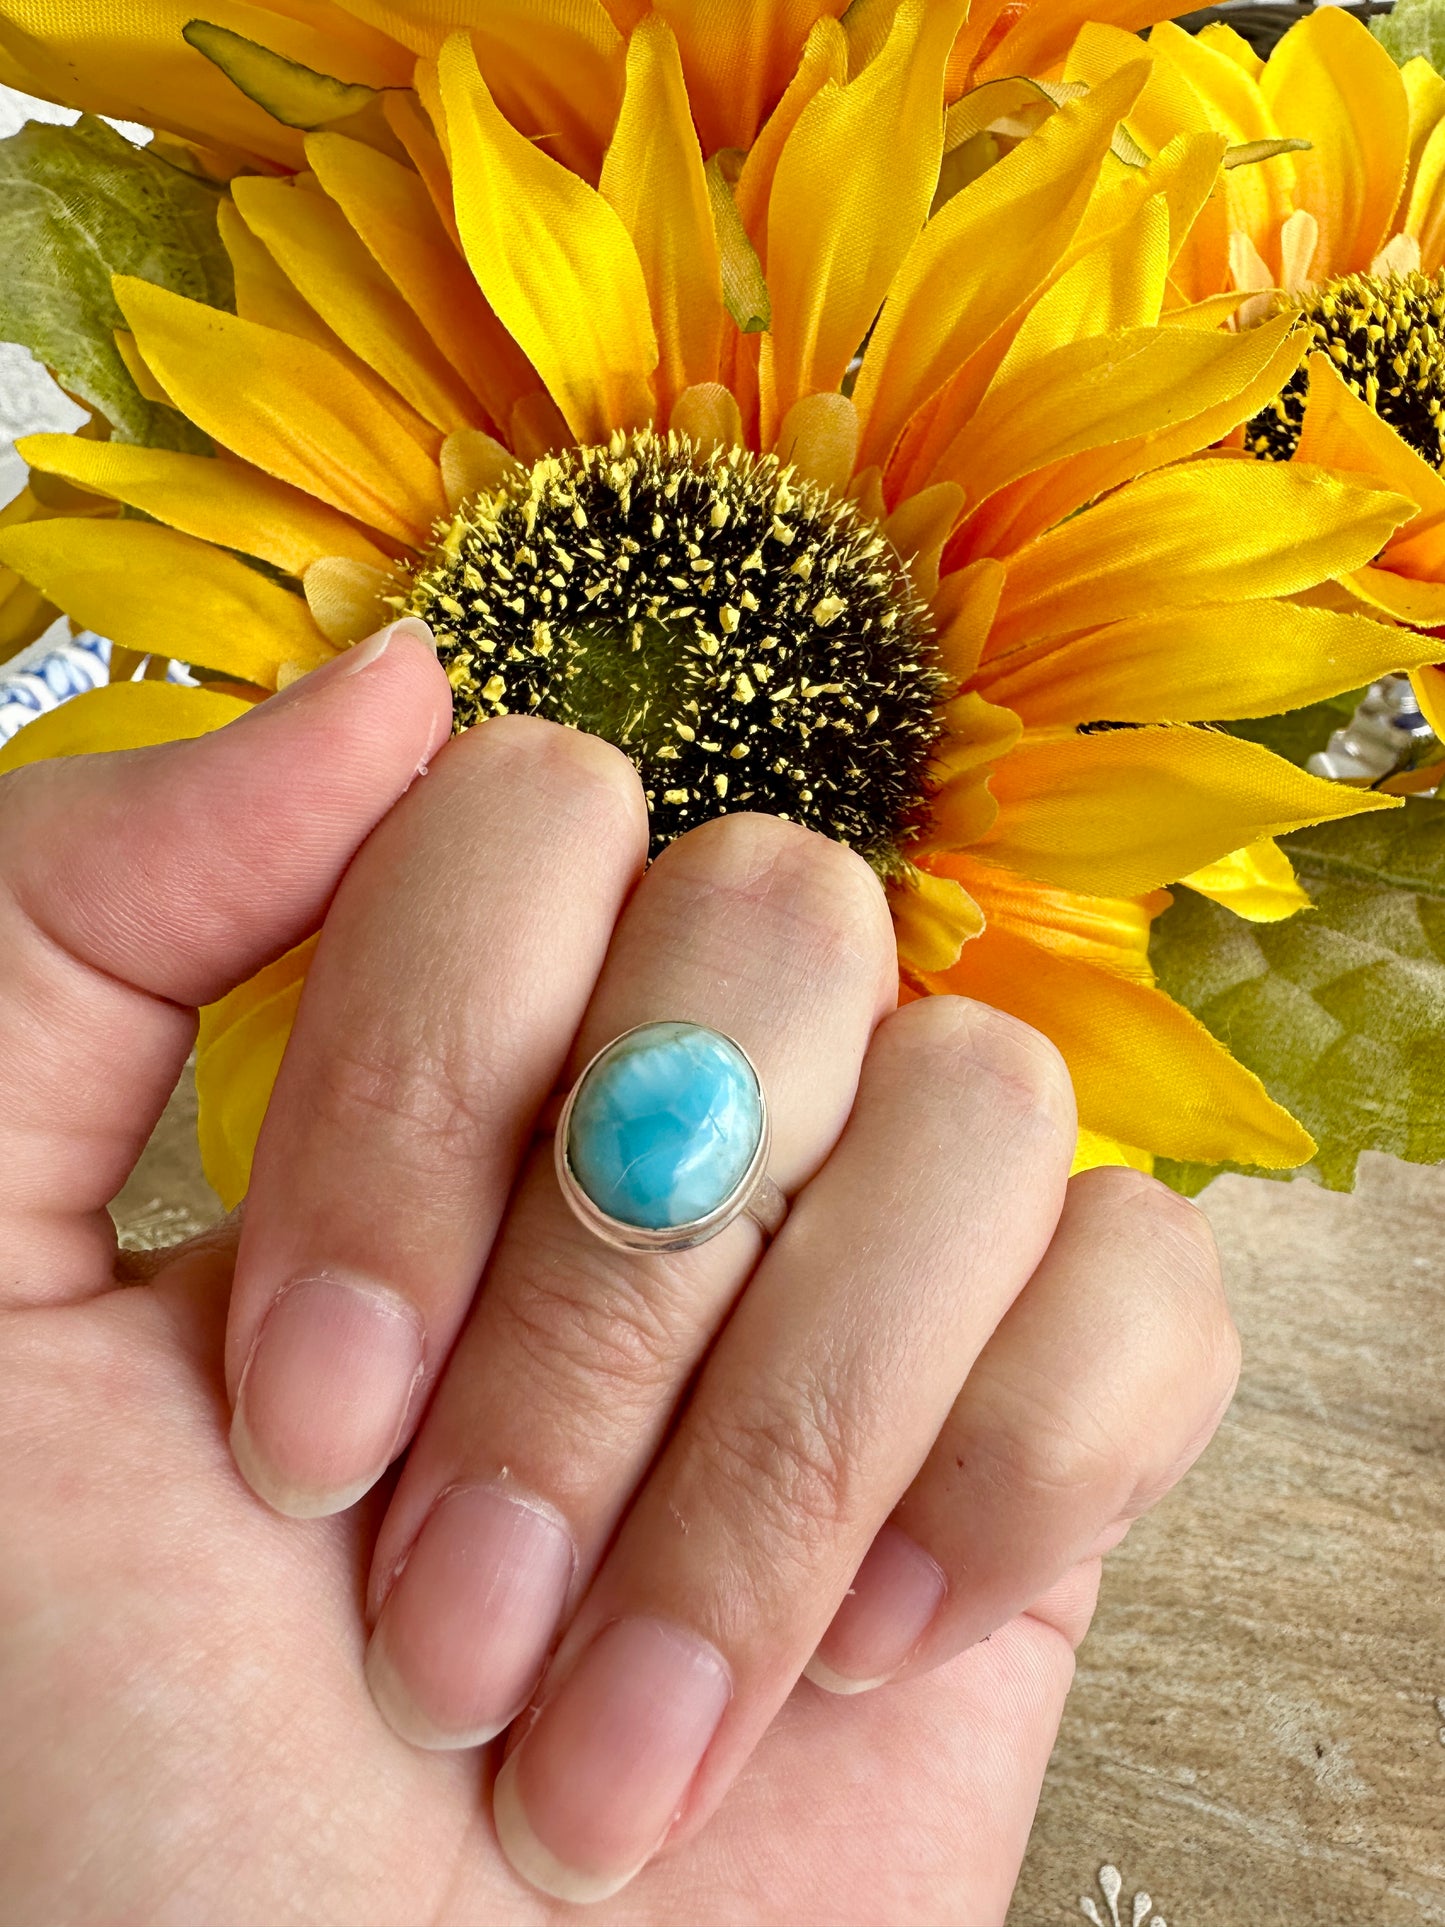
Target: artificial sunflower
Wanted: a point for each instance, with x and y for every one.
(1346, 234)
(958, 605)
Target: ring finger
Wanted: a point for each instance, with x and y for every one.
(576, 1355)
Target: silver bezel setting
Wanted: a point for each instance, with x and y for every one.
(678, 1237)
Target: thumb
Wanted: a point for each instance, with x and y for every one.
(135, 886)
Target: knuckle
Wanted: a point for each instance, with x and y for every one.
(434, 1102)
(587, 1323)
(783, 1458)
(1042, 1452)
(582, 777)
(956, 1040)
(1181, 1258)
(825, 894)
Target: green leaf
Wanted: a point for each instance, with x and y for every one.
(1415, 27)
(297, 96)
(78, 205)
(1341, 1009)
(745, 292)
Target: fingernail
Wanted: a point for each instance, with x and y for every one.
(590, 1794)
(361, 655)
(325, 1394)
(895, 1596)
(467, 1627)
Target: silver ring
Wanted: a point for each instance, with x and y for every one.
(664, 1140)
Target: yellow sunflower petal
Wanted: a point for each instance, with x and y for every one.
(1404, 599)
(1204, 531)
(964, 609)
(1106, 392)
(918, 529)
(1423, 200)
(1076, 959)
(409, 121)
(851, 193)
(25, 615)
(161, 593)
(1258, 198)
(1430, 694)
(653, 176)
(1124, 811)
(554, 67)
(552, 258)
(824, 59)
(391, 210)
(1227, 377)
(286, 406)
(140, 372)
(1208, 313)
(1233, 46)
(1145, 1071)
(1117, 283)
(121, 715)
(239, 1048)
(347, 599)
(1342, 431)
(1112, 932)
(325, 260)
(739, 58)
(1257, 883)
(1039, 36)
(819, 438)
(1331, 79)
(980, 257)
(977, 735)
(1207, 664)
(264, 295)
(1168, 107)
(127, 59)
(219, 501)
(1093, 1150)
(474, 463)
(933, 918)
(709, 416)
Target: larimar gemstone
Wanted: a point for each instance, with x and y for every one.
(665, 1126)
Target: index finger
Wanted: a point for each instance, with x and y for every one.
(451, 976)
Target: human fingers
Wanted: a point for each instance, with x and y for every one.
(573, 1361)
(452, 973)
(816, 1408)
(136, 886)
(1099, 1389)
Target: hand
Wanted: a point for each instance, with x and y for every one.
(656, 1476)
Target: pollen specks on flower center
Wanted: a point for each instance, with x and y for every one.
(747, 639)
(1386, 336)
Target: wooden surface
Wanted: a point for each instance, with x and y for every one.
(1255, 1736)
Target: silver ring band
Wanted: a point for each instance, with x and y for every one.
(767, 1207)
(663, 1140)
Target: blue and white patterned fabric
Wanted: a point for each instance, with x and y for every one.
(53, 670)
(47, 674)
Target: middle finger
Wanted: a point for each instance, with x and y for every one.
(576, 1354)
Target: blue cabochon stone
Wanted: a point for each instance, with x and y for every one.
(665, 1126)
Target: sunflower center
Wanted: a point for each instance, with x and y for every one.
(747, 639)
(1386, 335)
